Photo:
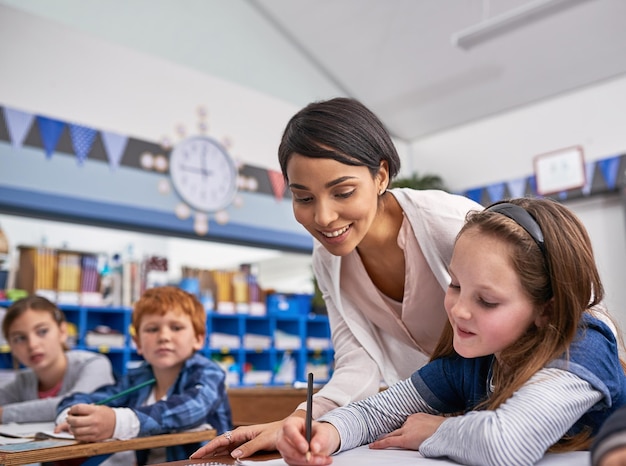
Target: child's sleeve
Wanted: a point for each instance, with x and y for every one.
(198, 397)
(522, 429)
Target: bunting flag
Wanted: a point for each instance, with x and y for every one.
(475, 194)
(18, 124)
(517, 188)
(496, 192)
(50, 131)
(609, 168)
(114, 145)
(532, 184)
(278, 183)
(123, 150)
(589, 168)
(82, 140)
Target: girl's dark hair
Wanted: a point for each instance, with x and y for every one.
(36, 303)
(341, 129)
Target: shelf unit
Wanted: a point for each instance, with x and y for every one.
(248, 361)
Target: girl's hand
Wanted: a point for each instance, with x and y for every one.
(293, 447)
(417, 428)
(90, 423)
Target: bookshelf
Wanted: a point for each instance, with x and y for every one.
(252, 349)
(258, 338)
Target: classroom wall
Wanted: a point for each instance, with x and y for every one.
(503, 147)
(64, 73)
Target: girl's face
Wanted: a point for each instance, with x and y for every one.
(485, 302)
(335, 202)
(167, 340)
(36, 340)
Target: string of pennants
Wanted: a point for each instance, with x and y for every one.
(54, 136)
(601, 176)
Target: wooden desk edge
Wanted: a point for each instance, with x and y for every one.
(79, 450)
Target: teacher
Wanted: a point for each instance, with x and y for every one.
(380, 256)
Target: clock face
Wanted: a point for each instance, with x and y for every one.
(203, 173)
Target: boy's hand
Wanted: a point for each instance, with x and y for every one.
(90, 423)
(293, 447)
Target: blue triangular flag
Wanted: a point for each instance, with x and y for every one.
(18, 124)
(496, 192)
(114, 146)
(609, 168)
(50, 131)
(82, 140)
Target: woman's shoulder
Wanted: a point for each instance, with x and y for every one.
(439, 203)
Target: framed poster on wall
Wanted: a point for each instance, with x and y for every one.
(560, 170)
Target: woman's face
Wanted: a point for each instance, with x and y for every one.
(335, 202)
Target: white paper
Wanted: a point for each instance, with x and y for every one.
(364, 456)
(29, 431)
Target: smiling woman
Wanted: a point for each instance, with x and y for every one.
(380, 255)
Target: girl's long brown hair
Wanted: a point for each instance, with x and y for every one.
(564, 282)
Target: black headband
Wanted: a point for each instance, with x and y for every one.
(524, 219)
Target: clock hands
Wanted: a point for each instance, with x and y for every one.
(203, 171)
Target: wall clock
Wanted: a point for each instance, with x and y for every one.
(203, 173)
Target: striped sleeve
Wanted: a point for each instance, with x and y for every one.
(364, 421)
(521, 429)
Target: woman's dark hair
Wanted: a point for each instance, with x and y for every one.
(341, 129)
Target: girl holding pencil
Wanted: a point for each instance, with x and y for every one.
(527, 364)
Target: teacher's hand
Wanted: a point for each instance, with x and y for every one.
(244, 441)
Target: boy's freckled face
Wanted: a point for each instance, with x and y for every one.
(167, 340)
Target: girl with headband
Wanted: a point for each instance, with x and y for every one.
(526, 364)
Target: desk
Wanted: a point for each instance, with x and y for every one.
(258, 405)
(79, 450)
(363, 456)
(226, 459)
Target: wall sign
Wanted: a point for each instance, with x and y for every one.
(560, 170)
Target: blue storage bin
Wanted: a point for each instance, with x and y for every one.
(282, 304)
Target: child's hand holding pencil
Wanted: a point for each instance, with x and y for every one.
(89, 422)
(95, 422)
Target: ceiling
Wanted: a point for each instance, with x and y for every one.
(396, 56)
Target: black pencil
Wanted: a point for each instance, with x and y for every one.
(309, 413)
